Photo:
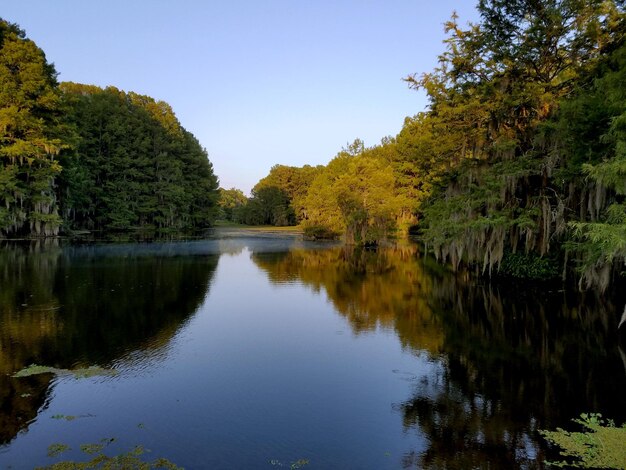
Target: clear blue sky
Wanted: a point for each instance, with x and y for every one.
(258, 82)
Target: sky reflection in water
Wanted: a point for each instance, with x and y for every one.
(236, 352)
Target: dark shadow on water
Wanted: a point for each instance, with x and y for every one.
(75, 306)
(498, 362)
(508, 360)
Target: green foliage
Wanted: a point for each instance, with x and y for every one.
(419, 159)
(292, 181)
(136, 167)
(319, 232)
(605, 241)
(522, 150)
(593, 128)
(90, 158)
(529, 266)
(278, 199)
(269, 205)
(355, 195)
(600, 446)
(521, 143)
(32, 137)
(230, 202)
(526, 136)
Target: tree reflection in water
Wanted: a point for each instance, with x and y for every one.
(507, 360)
(75, 307)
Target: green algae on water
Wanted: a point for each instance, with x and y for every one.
(56, 449)
(131, 460)
(79, 373)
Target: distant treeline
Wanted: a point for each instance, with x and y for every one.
(76, 157)
(517, 166)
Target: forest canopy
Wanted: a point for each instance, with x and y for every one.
(77, 157)
(517, 166)
(134, 165)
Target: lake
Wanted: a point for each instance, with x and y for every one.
(245, 351)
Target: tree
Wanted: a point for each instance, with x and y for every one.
(366, 199)
(230, 201)
(32, 136)
(592, 129)
(495, 94)
(135, 166)
(294, 182)
(355, 195)
(268, 205)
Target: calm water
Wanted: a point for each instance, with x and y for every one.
(259, 352)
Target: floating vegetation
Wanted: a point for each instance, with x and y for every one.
(56, 449)
(34, 369)
(80, 373)
(292, 466)
(65, 417)
(71, 417)
(92, 449)
(131, 460)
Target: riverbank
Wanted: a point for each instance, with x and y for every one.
(230, 229)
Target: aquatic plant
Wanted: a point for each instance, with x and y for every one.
(56, 449)
(80, 373)
(65, 417)
(131, 460)
(600, 446)
(292, 466)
